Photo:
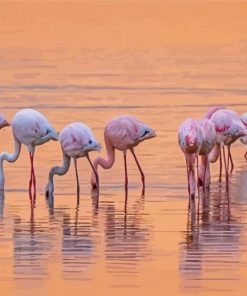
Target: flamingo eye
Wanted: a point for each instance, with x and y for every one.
(145, 133)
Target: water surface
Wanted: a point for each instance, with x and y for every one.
(91, 62)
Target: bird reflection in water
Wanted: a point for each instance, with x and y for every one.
(32, 246)
(211, 248)
(78, 240)
(126, 236)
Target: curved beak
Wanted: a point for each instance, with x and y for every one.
(4, 123)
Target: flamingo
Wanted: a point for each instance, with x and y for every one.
(244, 139)
(229, 128)
(30, 128)
(3, 121)
(207, 143)
(196, 137)
(77, 140)
(123, 133)
(189, 143)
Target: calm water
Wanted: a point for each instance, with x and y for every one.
(148, 243)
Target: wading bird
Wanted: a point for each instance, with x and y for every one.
(244, 139)
(229, 127)
(196, 137)
(123, 133)
(77, 140)
(207, 143)
(30, 128)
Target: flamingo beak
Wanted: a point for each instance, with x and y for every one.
(4, 123)
(99, 147)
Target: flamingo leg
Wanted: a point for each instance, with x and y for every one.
(230, 156)
(220, 177)
(31, 178)
(126, 173)
(187, 171)
(34, 179)
(198, 185)
(141, 171)
(245, 155)
(226, 168)
(95, 172)
(205, 171)
(77, 178)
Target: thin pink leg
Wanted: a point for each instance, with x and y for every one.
(205, 171)
(96, 174)
(220, 177)
(198, 186)
(141, 171)
(31, 178)
(187, 171)
(230, 156)
(77, 179)
(226, 169)
(34, 179)
(126, 173)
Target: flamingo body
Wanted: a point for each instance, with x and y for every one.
(229, 127)
(244, 139)
(30, 128)
(77, 140)
(189, 136)
(196, 137)
(123, 133)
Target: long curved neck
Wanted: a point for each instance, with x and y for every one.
(60, 170)
(106, 163)
(10, 158)
(215, 153)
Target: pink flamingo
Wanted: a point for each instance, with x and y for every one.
(229, 128)
(196, 137)
(3, 121)
(244, 139)
(189, 144)
(77, 140)
(207, 142)
(123, 133)
(31, 128)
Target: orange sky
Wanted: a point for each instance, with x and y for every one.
(123, 25)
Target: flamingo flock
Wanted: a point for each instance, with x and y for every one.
(31, 128)
(207, 137)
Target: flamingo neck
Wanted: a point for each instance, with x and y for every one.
(10, 158)
(104, 163)
(214, 154)
(60, 170)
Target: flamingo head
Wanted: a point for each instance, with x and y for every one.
(49, 189)
(147, 132)
(3, 121)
